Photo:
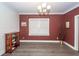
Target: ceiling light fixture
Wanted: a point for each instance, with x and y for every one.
(44, 9)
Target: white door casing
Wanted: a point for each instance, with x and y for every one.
(76, 32)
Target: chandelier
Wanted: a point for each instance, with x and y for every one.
(44, 9)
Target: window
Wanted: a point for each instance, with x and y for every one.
(38, 26)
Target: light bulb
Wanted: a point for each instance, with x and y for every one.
(48, 7)
(39, 7)
(40, 10)
(44, 10)
(44, 5)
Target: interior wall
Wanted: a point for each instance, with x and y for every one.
(9, 22)
(9, 19)
(55, 24)
(69, 33)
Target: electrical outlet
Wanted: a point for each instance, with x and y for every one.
(57, 38)
(23, 37)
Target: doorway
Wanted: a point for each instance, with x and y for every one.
(76, 32)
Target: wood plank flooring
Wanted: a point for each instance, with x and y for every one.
(42, 49)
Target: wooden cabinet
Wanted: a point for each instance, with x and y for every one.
(12, 41)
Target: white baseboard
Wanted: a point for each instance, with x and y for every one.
(70, 45)
(2, 52)
(54, 41)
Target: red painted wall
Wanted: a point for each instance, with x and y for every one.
(55, 27)
(69, 33)
(57, 24)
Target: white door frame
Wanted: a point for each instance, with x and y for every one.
(76, 34)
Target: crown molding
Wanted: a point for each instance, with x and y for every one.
(76, 6)
(38, 13)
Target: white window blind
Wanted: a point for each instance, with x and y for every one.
(38, 26)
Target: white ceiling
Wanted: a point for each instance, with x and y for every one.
(31, 7)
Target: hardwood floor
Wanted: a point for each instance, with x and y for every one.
(42, 49)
